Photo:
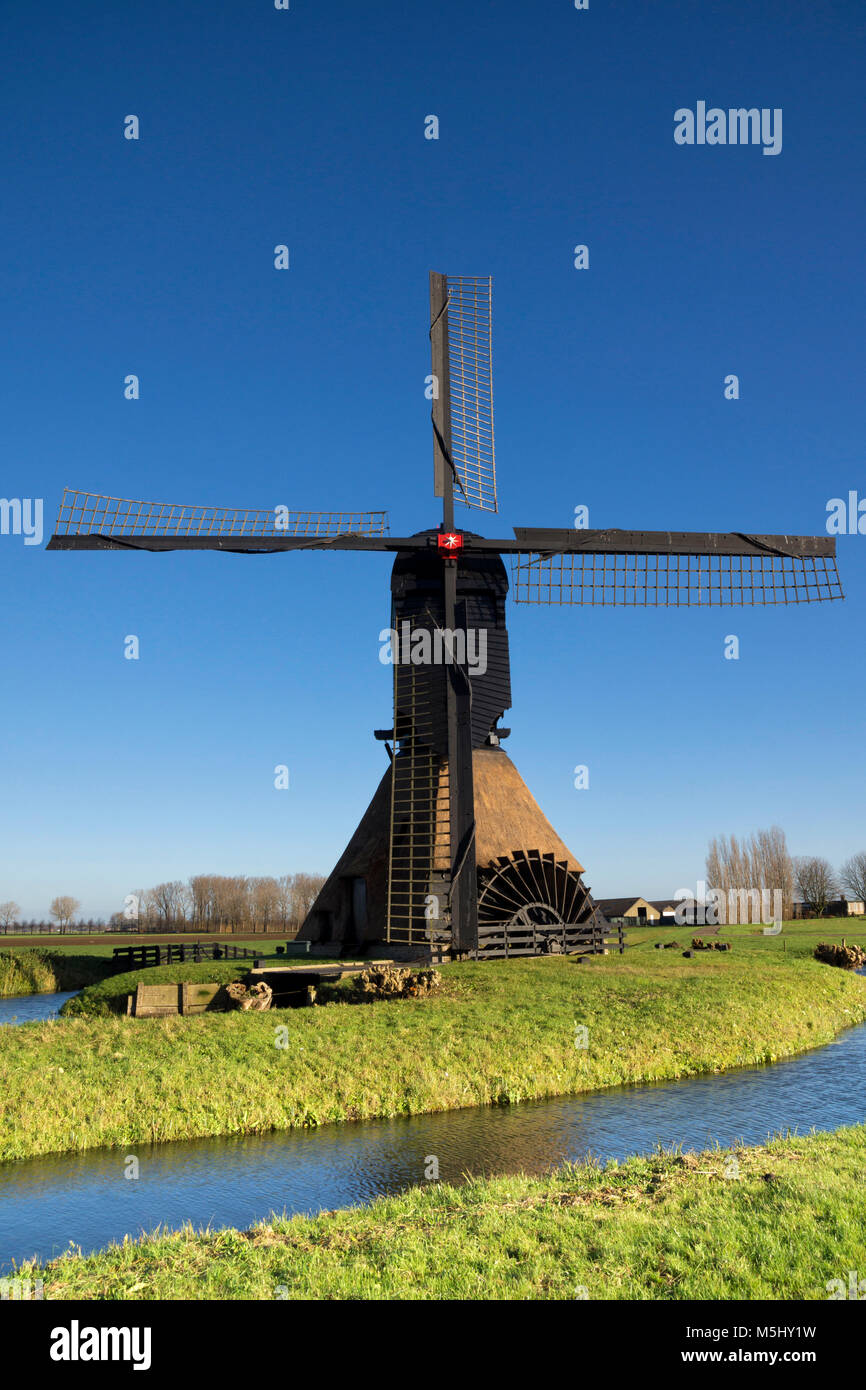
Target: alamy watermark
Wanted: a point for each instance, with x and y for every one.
(846, 516)
(736, 126)
(419, 646)
(18, 1290)
(77, 1343)
(713, 907)
(22, 516)
(855, 1287)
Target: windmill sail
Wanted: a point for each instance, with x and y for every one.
(93, 514)
(470, 361)
(461, 335)
(672, 569)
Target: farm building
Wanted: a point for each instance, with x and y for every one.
(630, 911)
(840, 907)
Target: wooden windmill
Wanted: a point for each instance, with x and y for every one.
(453, 855)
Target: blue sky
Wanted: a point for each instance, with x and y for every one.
(306, 387)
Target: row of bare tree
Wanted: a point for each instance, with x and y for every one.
(207, 902)
(217, 902)
(61, 912)
(761, 861)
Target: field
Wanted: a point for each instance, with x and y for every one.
(782, 1222)
(500, 1032)
(796, 938)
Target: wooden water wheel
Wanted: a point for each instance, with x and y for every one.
(528, 888)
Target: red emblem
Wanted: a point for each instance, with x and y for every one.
(450, 540)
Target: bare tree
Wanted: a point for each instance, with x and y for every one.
(166, 901)
(200, 894)
(264, 903)
(136, 910)
(285, 892)
(186, 902)
(306, 888)
(236, 902)
(772, 866)
(9, 913)
(742, 869)
(816, 882)
(852, 875)
(63, 909)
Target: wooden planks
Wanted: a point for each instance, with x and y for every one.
(519, 939)
(167, 1001)
(156, 1001)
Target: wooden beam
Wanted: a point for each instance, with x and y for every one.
(614, 541)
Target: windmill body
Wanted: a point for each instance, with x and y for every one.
(393, 886)
(453, 856)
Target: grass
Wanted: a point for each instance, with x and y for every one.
(499, 1032)
(42, 972)
(669, 1226)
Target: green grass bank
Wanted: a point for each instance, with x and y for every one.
(781, 1221)
(42, 972)
(500, 1032)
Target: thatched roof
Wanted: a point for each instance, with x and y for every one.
(507, 816)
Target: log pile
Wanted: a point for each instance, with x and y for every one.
(847, 957)
(258, 997)
(396, 982)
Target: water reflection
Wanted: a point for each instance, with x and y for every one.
(28, 1008)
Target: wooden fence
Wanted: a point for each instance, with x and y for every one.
(136, 957)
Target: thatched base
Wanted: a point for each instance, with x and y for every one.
(351, 910)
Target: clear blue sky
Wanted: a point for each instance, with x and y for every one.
(306, 387)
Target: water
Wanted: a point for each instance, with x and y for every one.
(46, 1203)
(28, 1008)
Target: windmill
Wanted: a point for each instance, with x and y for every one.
(453, 855)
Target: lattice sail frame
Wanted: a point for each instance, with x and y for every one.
(671, 580)
(91, 513)
(470, 366)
